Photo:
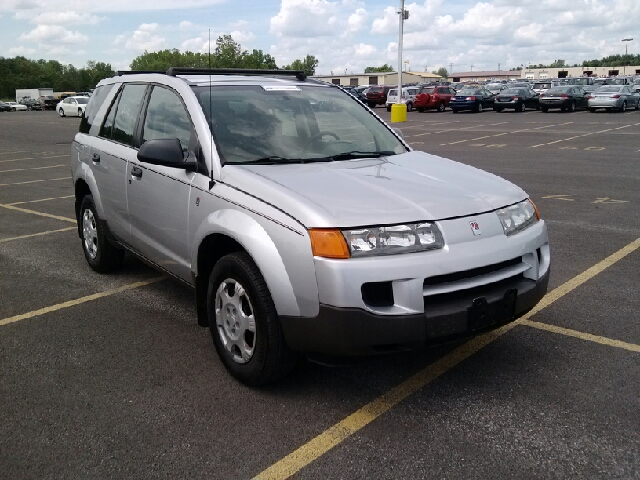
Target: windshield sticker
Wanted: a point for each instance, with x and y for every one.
(280, 88)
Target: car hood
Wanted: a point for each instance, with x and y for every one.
(409, 187)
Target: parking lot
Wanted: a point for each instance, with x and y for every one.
(109, 376)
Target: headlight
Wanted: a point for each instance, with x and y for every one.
(518, 217)
(409, 238)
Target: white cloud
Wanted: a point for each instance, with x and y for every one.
(144, 38)
(23, 51)
(94, 6)
(48, 34)
(60, 18)
(357, 20)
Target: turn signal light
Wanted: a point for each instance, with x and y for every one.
(564, 95)
(328, 243)
(470, 98)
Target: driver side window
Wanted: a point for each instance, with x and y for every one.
(167, 118)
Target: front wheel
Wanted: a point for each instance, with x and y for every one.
(79, 112)
(441, 107)
(100, 254)
(61, 112)
(409, 106)
(479, 108)
(244, 324)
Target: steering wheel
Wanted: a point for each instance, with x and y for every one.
(319, 135)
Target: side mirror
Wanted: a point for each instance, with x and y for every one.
(167, 152)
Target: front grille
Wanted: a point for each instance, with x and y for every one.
(468, 274)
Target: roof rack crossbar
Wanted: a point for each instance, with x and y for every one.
(174, 71)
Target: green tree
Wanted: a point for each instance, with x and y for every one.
(308, 65)
(259, 60)
(441, 72)
(382, 69)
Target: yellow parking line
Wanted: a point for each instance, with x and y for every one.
(10, 239)
(333, 436)
(41, 214)
(40, 200)
(632, 347)
(77, 301)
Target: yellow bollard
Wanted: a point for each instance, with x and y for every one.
(398, 112)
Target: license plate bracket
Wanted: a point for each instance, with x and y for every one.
(483, 314)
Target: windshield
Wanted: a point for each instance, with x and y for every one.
(279, 124)
(553, 90)
(468, 91)
(608, 88)
(578, 81)
(512, 91)
(540, 86)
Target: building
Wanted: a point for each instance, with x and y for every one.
(483, 76)
(542, 73)
(379, 78)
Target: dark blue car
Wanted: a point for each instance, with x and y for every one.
(471, 98)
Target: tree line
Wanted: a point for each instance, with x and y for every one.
(20, 72)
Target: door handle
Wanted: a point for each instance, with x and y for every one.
(95, 158)
(136, 172)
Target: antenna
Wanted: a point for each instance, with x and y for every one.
(211, 181)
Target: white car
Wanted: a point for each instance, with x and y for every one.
(15, 106)
(73, 106)
(408, 97)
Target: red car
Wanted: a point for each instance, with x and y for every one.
(377, 95)
(433, 97)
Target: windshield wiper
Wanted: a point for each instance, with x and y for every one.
(359, 154)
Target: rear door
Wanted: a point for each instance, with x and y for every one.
(110, 154)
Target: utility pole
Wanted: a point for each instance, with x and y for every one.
(498, 67)
(626, 51)
(450, 68)
(404, 15)
(472, 67)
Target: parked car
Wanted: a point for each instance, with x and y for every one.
(340, 241)
(4, 107)
(408, 97)
(565, 98)
(377, 95)
(48, 102)
(636, 85)
(30, 103)
(517, 98)
(361, 93)
(434, 97)
(470, 98)
(16, 107)
(541, 86)
(496, 88)
(73, 106)
(613, 97)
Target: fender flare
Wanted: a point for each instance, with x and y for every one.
(247, 232)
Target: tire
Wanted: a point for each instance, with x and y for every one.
(544, 109)
(420, 109)
(454, 110)
(244, 324)
(441, 107)
(101, 255)
(592, 110)
(79, 112)
(522, 107)
(371, 105)
(497, 109)
(638, 104)
(572, 107)
(388, 108)
(623, 108)
(409, 107)
(479, 108)
(61, 112)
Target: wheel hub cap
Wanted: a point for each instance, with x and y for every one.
(90, 233)
(235, 321)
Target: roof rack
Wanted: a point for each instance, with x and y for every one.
(174, 71)
(136, 72)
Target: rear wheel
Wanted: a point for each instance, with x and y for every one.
(592, 110)
(388, 108)
(544, 109)
(522, 107)
(497, 109)
(623, 108)
(100, 254)
(454, 110)
(479, 107)
(371, 104)
(61, 112)
(244, 324)
(409, 106)
(441, 107)
(79, 112)
(572, 106)
(420, 109)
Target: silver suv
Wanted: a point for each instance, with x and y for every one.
(303, 222)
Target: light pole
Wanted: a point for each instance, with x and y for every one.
(626, 51)
(404, 15)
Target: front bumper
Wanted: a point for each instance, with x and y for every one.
(351, 331)
(464, 105)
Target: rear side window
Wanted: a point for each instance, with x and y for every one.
(96, 101)
(121, 119)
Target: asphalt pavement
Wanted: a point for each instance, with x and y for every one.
(109, 376)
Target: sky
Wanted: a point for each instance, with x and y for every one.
(344, 35)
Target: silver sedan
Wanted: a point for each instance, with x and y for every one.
(614, 97)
